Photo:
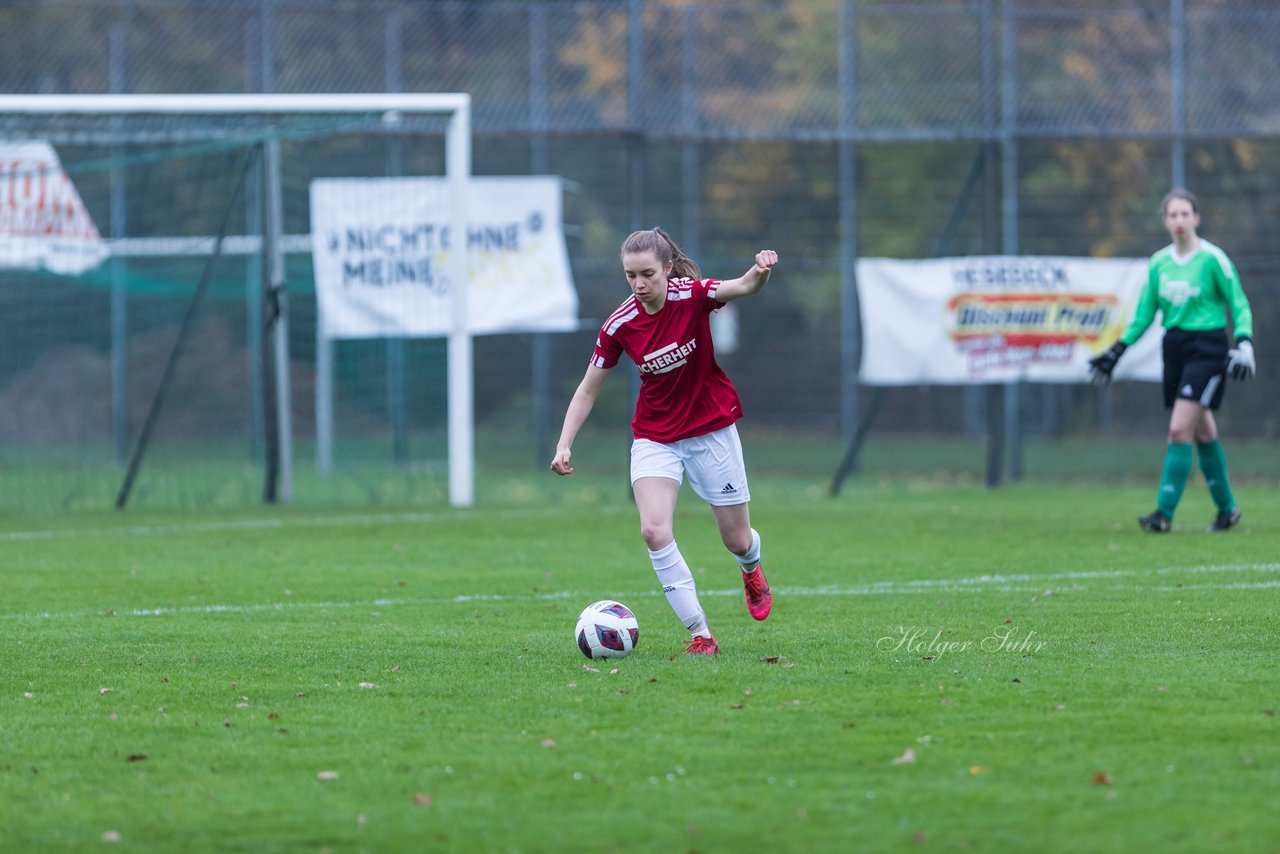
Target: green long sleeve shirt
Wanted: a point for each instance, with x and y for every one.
(1192, 293)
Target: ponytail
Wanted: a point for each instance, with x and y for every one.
(658, 242)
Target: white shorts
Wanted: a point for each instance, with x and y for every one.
(714, 463)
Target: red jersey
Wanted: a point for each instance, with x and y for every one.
(683, 392)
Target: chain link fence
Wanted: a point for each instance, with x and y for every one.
(826, 129)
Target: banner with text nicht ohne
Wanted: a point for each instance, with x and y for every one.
(996, 319)
(380, 249)
(44, 224)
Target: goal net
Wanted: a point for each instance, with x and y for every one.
(158, 330)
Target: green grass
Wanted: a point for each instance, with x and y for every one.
(183, 680)
(213, 476)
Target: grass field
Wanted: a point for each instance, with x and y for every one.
(947, 667)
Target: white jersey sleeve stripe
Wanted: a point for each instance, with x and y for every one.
(618, 319)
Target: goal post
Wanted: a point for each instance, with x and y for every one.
(250, 119)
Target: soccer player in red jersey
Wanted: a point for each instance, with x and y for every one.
(685, 416)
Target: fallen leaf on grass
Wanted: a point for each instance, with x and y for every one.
(137, 757)
(368, 685)
(590, 669)
(975, 770)
(327, 775)
(104, 690)
(548, 742)
(774, 659)
(422, 799)
(907, 758)
(1102, 778)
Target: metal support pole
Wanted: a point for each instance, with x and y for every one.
(117, 47)
(461, 388)
(279, 296)
(1009, 156)
(253, 302)
(540, 164)
(1178, 81)
(850, 314)
(393, 74)
(635, 140)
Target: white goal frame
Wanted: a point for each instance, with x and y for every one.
(456, 106)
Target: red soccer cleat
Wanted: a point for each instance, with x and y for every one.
(759, 597)
(702, 646)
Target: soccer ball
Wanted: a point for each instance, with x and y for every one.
(607, 629)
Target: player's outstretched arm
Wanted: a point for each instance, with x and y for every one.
(751, 281)
(576, 415)
(1101, 366)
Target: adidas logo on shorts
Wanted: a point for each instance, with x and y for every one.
(729, 489)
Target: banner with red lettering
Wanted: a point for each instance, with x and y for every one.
(44, 224)
(996, 319)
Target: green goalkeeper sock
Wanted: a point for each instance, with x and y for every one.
(1213, 462)
(1173, 480)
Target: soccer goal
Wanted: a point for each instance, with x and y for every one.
(149, 246)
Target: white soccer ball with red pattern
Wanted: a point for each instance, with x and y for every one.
(607, 629)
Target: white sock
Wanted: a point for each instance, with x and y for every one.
(752, 557)
(677, 584)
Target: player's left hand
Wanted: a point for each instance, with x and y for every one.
(765, 259)
(1241, 364)
(560, 462)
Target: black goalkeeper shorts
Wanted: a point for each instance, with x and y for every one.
(1195, 366)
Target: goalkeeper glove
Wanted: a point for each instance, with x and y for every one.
(1241, 364)
(1101, 366)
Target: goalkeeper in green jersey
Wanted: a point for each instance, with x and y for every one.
(1193, 284)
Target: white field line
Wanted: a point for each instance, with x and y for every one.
(1019, 583)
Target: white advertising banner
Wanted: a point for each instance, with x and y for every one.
(995, 319)
(44, 224)
(380, 248)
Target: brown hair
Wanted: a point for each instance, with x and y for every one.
(1179, 193)
(658, 242)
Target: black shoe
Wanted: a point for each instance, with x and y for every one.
(1156, 523)
(1226, 519)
